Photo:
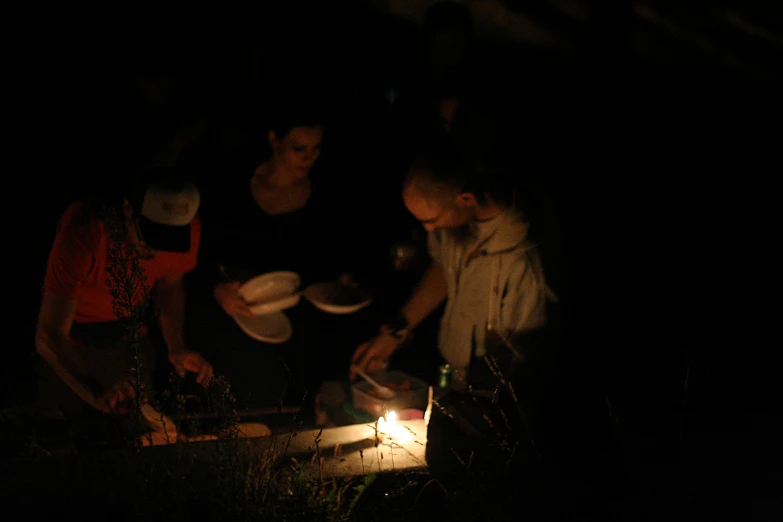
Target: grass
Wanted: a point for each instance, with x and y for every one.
(240, 479)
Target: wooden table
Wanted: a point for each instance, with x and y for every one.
(360, 449)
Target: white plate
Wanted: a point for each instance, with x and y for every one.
(274, 328)
(271, 292)
(319, 294)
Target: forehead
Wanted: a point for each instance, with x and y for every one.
(305, 134)
(424, 208)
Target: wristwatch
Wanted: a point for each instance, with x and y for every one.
(397, 328)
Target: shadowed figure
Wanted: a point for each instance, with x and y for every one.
(273, 205)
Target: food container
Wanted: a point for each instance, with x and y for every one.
(411, 393)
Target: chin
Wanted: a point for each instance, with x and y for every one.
(457, 223)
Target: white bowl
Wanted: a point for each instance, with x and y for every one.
(272, 292)
(321, 295)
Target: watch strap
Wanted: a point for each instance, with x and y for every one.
(397, 327)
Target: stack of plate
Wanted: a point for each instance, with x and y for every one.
(267, 296)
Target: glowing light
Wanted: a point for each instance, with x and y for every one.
(396, 433)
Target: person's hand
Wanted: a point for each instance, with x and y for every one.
(373, 356)
(188, 361)
(118, 398)
(227, 294)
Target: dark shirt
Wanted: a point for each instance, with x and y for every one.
(319, 242)
(315, 241)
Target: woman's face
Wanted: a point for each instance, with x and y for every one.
(298, 150)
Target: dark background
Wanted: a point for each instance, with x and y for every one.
(660, 154)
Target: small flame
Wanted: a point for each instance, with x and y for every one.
(389, 423)
(389, 426)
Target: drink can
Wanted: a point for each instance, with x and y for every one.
(459, 379)
(444, 376)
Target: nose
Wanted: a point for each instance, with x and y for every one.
(429, 227)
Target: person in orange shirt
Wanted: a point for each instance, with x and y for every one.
(82, 334)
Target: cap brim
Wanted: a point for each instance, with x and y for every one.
(165, 238)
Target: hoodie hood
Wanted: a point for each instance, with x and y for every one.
(504, 232)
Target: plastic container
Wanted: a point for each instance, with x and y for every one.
(415, 398)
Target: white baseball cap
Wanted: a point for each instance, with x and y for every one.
(168, 207)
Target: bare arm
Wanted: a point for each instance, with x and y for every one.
(426, 297)
(169, 297)
(429, 293)
(54, 345)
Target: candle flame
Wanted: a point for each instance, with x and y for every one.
(388, 423)
(389, 426)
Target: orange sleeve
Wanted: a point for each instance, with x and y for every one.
(71, 257)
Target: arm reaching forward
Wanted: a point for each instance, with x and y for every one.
(429, 293)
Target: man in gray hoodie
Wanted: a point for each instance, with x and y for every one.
(483, 265)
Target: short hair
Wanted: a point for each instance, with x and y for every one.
(438, 165)
(444, 167)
